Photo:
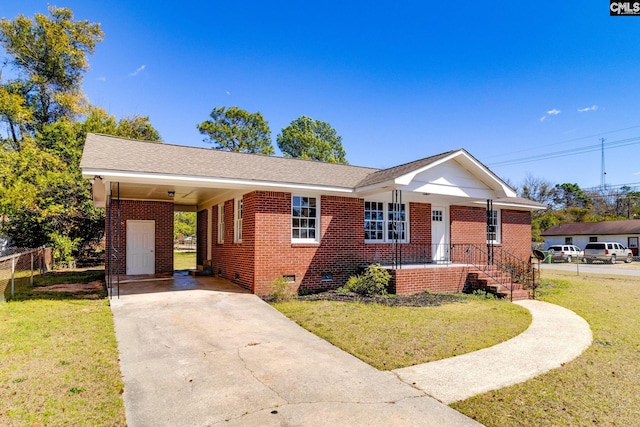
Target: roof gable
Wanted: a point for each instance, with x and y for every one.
(452, 173)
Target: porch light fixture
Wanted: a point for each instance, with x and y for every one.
(171, 193)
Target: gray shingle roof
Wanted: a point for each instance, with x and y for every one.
(591, 228)
(109, 153)
(119, 154)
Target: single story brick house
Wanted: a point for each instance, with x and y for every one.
(316, 224)
(625, 232)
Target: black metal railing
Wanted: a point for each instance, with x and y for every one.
(411, 255)
(488, 261)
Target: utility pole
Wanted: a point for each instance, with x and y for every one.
(603, 173)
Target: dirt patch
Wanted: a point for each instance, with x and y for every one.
(418, 300)
(91, 287)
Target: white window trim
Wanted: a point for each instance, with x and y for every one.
(237, 220)
(385, 223)
(317, 218)
(498, 238)
(221, 223)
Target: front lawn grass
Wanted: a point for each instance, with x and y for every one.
(602, 386)
(59, 359)
(394, 337)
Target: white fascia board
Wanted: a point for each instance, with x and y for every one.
(377, 188)
(510, 205)
(168, 179)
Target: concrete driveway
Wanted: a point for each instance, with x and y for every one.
(202, 352)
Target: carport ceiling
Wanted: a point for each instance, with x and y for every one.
(184, 195)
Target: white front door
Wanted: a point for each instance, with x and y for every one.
(141, 245)
(440, 233)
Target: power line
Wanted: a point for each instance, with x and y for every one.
(537, 147)
(569, 152)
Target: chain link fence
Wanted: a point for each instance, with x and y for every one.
(19, 263)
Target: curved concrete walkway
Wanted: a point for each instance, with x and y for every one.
(556, 336)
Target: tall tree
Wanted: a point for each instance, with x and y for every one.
(98, 120)
(234, 129)
(570, 196)
(49, 57)
(43, 198)
(311, 139)
(538, 189)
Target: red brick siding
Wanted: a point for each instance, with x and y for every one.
(161, 213)
(468, 225)
(516, 232)
(435, 279)
(267, 252)
(274, 253)
(234, 261)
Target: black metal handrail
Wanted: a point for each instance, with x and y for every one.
(519, 271)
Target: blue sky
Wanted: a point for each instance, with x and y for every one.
(398, 80)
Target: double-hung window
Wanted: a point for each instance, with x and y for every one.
(374, 221)
(396, 222)
(305, 221)
(385, 222)
(493, 227)
(237, 221)
(221, 223)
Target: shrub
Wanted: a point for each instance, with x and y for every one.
(483, 294)
(373, 281)
(281, 290)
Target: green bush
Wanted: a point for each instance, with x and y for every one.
(282, 290)
(373, 281)
(63, 247)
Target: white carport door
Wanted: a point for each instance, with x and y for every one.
(141, 242)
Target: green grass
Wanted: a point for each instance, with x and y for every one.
(59, 359)
(602, 386)
(184, 260)
(393, 337)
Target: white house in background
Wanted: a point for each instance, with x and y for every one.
(579, 234)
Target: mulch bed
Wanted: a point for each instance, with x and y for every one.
(418, 300)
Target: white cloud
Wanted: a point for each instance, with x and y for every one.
(139, 70)
(228, 93)
(553, 112)
(102, 79)
(584, 110)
